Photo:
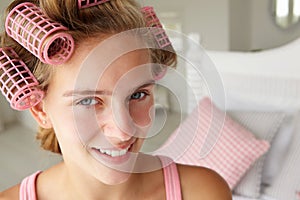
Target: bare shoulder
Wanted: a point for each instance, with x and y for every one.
(11, 193)
(200, 181)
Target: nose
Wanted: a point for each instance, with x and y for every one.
(119, 124)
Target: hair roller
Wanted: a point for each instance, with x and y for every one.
(159, 33)
(89, 3)
(41, 36)
(17, 83)
(159, 71)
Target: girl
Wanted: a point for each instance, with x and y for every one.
(98, 107)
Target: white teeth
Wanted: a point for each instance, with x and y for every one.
(114, 153)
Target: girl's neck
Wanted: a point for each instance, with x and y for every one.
(70, 182)
(84, 186)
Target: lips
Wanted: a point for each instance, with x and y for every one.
(119, 151)
(114, 153)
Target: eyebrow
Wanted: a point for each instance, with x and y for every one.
(101, 92)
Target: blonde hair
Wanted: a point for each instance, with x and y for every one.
(111, 17)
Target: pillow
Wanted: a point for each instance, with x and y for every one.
(264, 125)
(211, 139)
(258, 92)
(278, 150)
(286, 184)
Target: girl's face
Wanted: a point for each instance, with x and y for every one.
(101, 107)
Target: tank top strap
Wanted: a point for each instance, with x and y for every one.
(28, 187)
(172, 180)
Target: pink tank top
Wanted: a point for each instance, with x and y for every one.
(171, 177)
(27, 188)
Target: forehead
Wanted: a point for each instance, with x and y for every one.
(95, 64)
(106, 49)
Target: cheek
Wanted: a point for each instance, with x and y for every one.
(65, 129)
(85, 123)
(142, 113)
(64, 124)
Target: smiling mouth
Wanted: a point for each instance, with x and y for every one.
(114, 153)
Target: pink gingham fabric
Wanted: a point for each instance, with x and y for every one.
(231, 149)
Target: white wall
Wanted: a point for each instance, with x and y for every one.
(209, 18)
(265, 33)
(240, 24)
(3, 5)
(252, 26)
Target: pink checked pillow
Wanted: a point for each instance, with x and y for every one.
(211, 139)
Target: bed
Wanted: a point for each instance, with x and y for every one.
(266, 83)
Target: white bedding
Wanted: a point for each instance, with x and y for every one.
(235, 197)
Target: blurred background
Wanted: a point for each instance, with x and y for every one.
(253, 44)
(242, 25)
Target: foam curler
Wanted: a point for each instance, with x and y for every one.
(159, 33)
(159, 71)
(90, 3)
(43, 37)
(17, 83)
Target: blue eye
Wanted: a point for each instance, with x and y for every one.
(138, 95)
(88, 102)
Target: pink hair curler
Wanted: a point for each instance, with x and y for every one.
(152, 21)
(17, 83)
(90, 3)
(159, 71)
(43, 37)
